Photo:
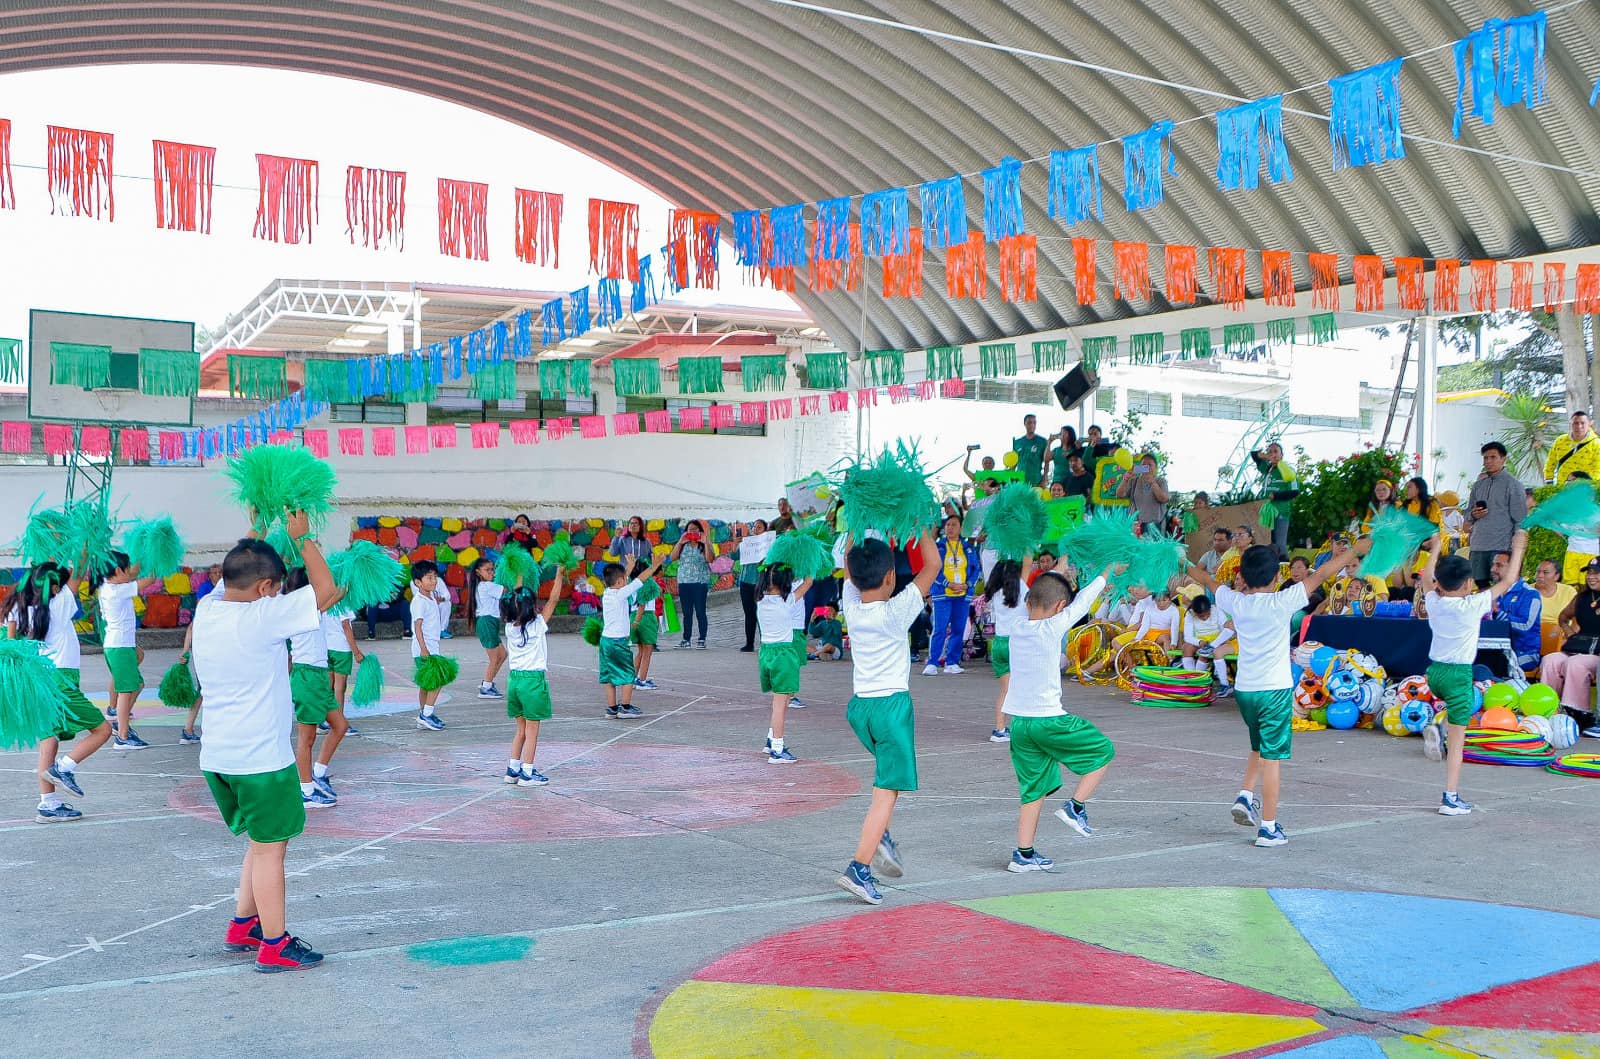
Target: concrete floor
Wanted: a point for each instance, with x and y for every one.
(659, 845)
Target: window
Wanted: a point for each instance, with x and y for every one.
(675, 405)
(1363, 422)
(1212, 406)
(1149, 402)
(1002, 391)
(1105, 399)
(459, 408)
(376, 412)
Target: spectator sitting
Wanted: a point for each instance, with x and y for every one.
(1553, 600)
(1520, 607)
(521, 532)
(1213, 556)
(1571, 670)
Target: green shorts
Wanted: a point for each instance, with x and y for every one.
(1000, 655)
(1039, 745)
(488, 630)
(266, 806)
(312, 694)
(1267, 714)
(124, 665)
(1452, 682)
(646, 630)
(81, 715)
(528, 695)
(885, 726)
(343, 662)
(780, 673)
(800, 647)
(616, 661)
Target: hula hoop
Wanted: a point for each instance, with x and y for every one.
(1585, 766)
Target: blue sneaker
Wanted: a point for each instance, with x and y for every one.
(1000, 735)
(446, 634)
(857, 879)
(1020, 864)
(645, 685)
(1246, 811)
(54, 775)
(318, 799)
(1077, 819)
(133, 742)
(768, 748)
(532, 778)
(782, 757)
(797, 703)
(1275, 837)
(325, 785)
(324, 726)
(629, 710)
(430, 722)
(1454, 805)
(513, 775)
(189, 738)
(67, 812)
(887, 858)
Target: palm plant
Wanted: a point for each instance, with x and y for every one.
(1531, 427)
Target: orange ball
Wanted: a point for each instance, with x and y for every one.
(1499, 717)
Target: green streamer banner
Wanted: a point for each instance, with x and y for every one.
(1148, 348)
(169, 372)
(578, 378)
(554, 379)
(1098, 351)
(827, 371)
(13, 368)
(764, 373)
(1196, 343)
(1238, 339)
(637, 376)
(700, 375)
(86, 367)
(1281, 332)
(1324, 328)
(997, 359)
(494, 382)
(257, 378)
(1050, 356)
(884, 367)
(945, 362)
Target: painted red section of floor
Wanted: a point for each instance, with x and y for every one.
(1563, 1002)
(945, 950)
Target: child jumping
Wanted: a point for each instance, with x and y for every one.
(1004, 591)
(483, 612)
(115, 598)
(880, 710)
(1454, 614)
(527, 689)
(1205, 632)
(427, 625)
(43, 608)
(248, 757)
(616, 658)
(777, 663)
(1264, 687)
(311, 690)
(1043, 736)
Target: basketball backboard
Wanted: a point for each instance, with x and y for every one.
(121, 403)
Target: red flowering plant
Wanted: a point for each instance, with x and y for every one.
(1335, 493)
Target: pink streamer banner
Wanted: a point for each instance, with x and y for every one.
(171, 444)
(352, 441)
(691, 418)
(134, 444)
(839, 401)
(556, 429)
(926, 390)
(592, 426)
(282, 437)
(782, 408)
(57, 438)
(811, 404)
(417, 440)
(658, 422)
(486, 435)
(525, 431)
(721, 416)
(443, 435)
(953, 388)
(866, 398)
(625, 423)
(383, 441)
(317, 442)
(16, 437)
(95, 441)
(752, 413)
(899, 394)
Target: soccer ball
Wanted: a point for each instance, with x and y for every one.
(1416, 715)
(1392, 722)
(1414, 688)
(1310, 694)
(1370, 701)
(1344, 685)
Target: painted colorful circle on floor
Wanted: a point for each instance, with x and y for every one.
(626, 790)
(1158, 972)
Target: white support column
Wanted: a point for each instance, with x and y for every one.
(1424, 407)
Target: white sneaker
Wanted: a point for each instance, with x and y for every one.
(930, 670)
(953, 671)
(1433, 742)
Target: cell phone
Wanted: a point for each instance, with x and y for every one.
(973, 448)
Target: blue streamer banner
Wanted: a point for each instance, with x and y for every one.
(788, 236)
(833, 229)
(1249, 136)
(944, 213)
(1075, 185)
(885, 222)
(1364, 125)
(1002, 200)
(1142, 168)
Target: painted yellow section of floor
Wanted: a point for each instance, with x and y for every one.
(1520, 1044)
(707, 1020)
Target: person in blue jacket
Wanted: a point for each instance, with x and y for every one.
(951, 595)
(1523, 608)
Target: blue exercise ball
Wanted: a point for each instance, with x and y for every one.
(1342, 713)
(1322, 660)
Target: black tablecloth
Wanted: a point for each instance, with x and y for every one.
(1399, 644)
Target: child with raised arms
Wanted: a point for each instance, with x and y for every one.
(796, 602)
(427, 627)
(1004, 590)
(241, 658)
(616, 656)
(42, 608)
(527, 689)
(483, 613)
(828, 634)
(311, 690)
(1044, 737)
(1455, 614)
(645, 632)
(880, 710)
(777, 664)
(115, 596)
(1264, 685)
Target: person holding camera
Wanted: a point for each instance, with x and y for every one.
(693, 554)
(1494, 510)
(1146, 493)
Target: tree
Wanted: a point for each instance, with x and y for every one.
(1531, 428)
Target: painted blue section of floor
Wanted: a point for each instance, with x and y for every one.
(1394, 952)
(1337, 1048)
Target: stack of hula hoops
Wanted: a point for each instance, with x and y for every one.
(1585, 765)
(1490, 746)
(1170, 687)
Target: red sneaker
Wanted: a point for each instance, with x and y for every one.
(243, 937)
(288, 953)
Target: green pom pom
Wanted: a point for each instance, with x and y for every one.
(559, 555)
(516, 562)
(436, 671)
(279, 541)
(1396, 533)
(592, 630)
(369, 575)
(155, 547)
(177, 687)
(92, 530)
(48, 538)
(889, 494)
(31, 706)
(274, 479)
(1571, 511)
(1014, 522)
(803, 554)
(368, 686)
(1109, 537)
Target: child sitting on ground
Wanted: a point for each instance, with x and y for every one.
(827, 636)
(1205, 632)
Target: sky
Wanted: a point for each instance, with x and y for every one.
(130, 267)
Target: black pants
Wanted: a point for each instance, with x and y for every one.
(747, 598)
(692, 602)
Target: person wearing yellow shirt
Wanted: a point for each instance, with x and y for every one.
(1555, 597)
(1577, 450)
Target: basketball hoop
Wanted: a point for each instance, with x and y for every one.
(110, 401)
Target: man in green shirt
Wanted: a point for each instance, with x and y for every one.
(1030, 449)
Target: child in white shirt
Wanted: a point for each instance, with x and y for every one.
(427, 628)
(123, 656)
(483, 612)
(617, 674)
(527, 688)
(778, 664)
(1005, 594)
(1205, 632)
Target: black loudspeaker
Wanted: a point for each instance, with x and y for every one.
(1074, 386)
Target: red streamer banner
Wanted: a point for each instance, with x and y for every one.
(134, 444)
(953, 388)
(1227, 275)
(317, 442)
(16, 438)
(811, 404)
(1447, 285)
(867, 397)
(375, 208)
(752, 413)
(1325, 281)
(170, 444)
(966, 268)
(538, 235)
(1485, 284)
(57, 438)
(592, 426)
(524, 431)
(1408, 284)
(95, 441)
(826, 273)
(624, 423)
(902, 273)
(1019, 266)
(1367, 271)
(486, 435)
(1521, 286)
(417, 440)
(1181, 279)
(1277, 278)
(780, 408)
(1555, 285)
(1586, 292)
(692, 235)
(720, 416)
(184, 179)
(8, 193)
(383, 441)
(286, 199)
(839, 401)
(691, 418)
(464, 219)
(900, 393)
(658, 422)
(1132, 282)
(78, 171)
(352, 441)
(1083, 270)
(442, 435)
(614, 239)
(556, 429)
